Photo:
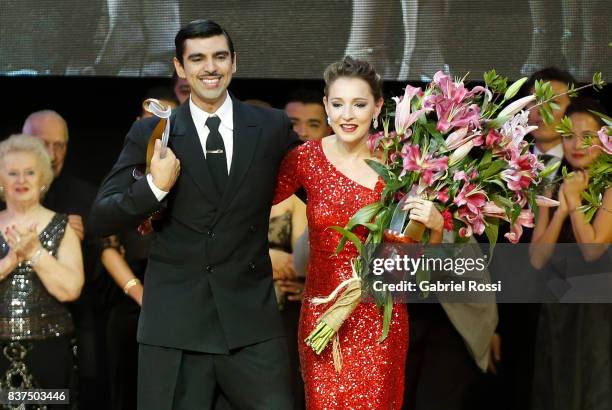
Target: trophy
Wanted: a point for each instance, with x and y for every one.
(161, 131)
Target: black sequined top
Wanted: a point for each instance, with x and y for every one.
(27, 310)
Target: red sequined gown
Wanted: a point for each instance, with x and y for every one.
(372, 375)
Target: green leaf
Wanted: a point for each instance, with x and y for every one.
(590, 213)
(502, 201)
(514, 88)
(380, 169)
(547, 114)
(607, 119)
(493, 169)
(549, 170)
(388, 310)
(347, 235)
(364, 215)
(498, 183)
(565, 127)
(486, 159)
(492, 230)
(598, 82)
(498, 122)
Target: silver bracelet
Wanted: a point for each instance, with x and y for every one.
(34, 259)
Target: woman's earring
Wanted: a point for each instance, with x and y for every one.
(43, 188)
(375, 122)
(328, 121)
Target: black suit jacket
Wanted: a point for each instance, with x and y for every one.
(209, 278)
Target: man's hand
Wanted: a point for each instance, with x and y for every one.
(494, 353)
(76, 223)
(165, 170)
(282, 265)
(292, 288)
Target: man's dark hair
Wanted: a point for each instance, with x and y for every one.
(548, 74)
(586, 105)
(306, 96)
(199, 29)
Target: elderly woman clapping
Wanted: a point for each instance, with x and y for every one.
(41, 267)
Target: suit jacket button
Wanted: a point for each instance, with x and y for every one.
(252, 228)
(251, 266)
(209, 268)
(210, 234)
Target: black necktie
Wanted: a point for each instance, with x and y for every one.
(545, 158)
(215, 154)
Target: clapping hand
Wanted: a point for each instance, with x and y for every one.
(572, 188)
(24, 241)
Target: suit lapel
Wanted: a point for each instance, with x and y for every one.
(187, 147)
(246, 136)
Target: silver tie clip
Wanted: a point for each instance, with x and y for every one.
(214, 151)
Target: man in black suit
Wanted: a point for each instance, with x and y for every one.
(209, 322)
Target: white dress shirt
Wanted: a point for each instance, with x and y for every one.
(226, 129)
(556, 151)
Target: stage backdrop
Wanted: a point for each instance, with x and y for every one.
(406, 39)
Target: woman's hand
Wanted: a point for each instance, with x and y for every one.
(572, 188)
(24, 240)
(136, 292)
(562, 209)
(425, 211)
(282, 265)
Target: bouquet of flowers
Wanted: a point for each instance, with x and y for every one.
(463, 149)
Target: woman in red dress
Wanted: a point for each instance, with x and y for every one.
(338, 183)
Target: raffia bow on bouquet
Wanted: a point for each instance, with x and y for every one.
(464, 150)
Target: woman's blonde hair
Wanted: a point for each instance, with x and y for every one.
(32, 145)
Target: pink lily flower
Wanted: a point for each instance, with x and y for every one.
(378, 139)
(514, 131)
(451, 115)
(413, 161)
(456, 92)
(525, 219)
(442, 195)
(493, 210)
(474, 221)
(605, 137)
(403, 117)
(522, 171)
(546, 202)
(471, 197)
(493, 138)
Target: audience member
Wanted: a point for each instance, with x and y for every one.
(573, 367)
(41, 269)
(307, 114)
